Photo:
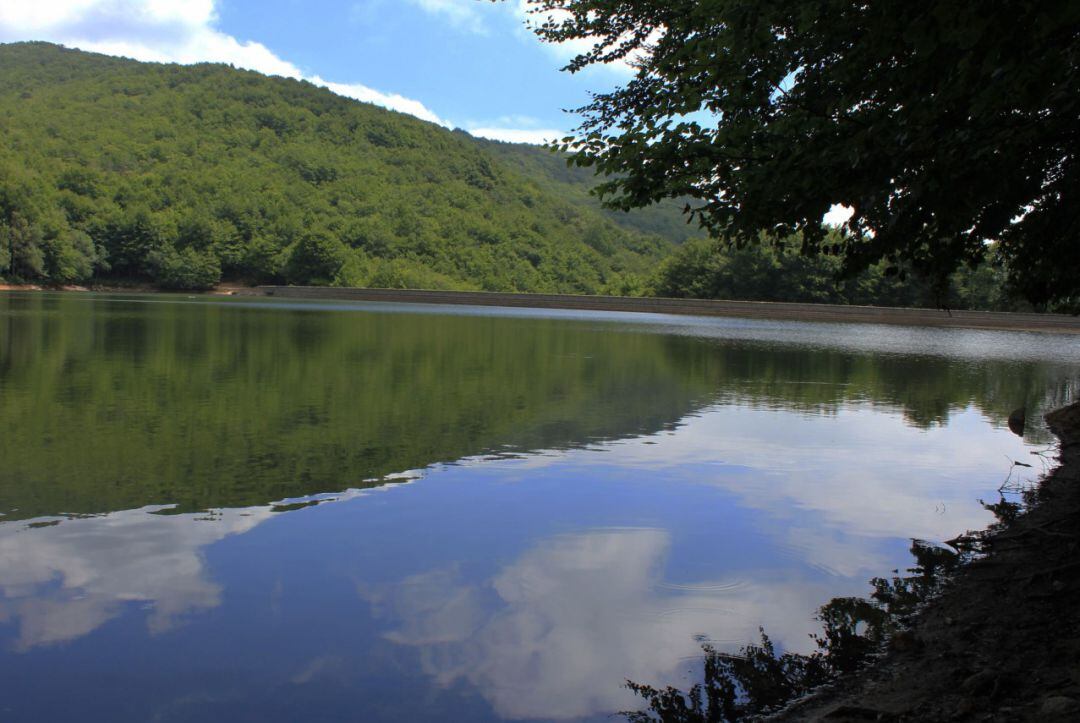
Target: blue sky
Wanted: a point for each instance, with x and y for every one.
(461, 63)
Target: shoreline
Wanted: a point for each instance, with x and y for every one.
(1002, 641)
(768, 310)
(140, 288)
(758, 310)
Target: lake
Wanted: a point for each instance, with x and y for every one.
(254, 510)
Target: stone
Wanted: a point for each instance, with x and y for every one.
(1058, 705)
(979, 683)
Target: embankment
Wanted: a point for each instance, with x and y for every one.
(1058, 323)
(779, 311)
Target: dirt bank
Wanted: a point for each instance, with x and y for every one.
(117, 288)
(129, 288)
(1002, 643)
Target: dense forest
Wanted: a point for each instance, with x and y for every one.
(776, 270)
(184, 176)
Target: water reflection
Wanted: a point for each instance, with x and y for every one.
(63, 581)
(63, 578)
(508, 588)
(550, 634)
(175, 542)
(114, 403)
(805, 469)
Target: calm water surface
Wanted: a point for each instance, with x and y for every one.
(226, 509)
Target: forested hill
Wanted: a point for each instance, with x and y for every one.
(665, 219)
(185, 175)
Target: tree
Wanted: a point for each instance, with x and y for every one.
(185, 269)
(944, 126)
(22, 241)
(315, 259)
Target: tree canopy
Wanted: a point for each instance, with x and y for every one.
(184, 175)
(945, 127)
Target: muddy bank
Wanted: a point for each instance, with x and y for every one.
(1002, 642)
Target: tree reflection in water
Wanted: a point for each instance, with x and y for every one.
(757, 679)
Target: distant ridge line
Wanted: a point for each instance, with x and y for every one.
(1002, 320)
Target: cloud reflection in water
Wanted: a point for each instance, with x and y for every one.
(556, 632)
(577, 569)
(80, 574)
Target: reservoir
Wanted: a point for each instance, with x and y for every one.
(240, 509)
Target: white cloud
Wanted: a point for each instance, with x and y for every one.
(515, 129)
(168, 31)
(567, 50)
(387, 100)
(519, 135)
(49, 14)
(469, 15)
(461, 14)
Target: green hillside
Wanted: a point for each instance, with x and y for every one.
(186, 175)
(666, 218)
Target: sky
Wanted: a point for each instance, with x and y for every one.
(469, 64)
